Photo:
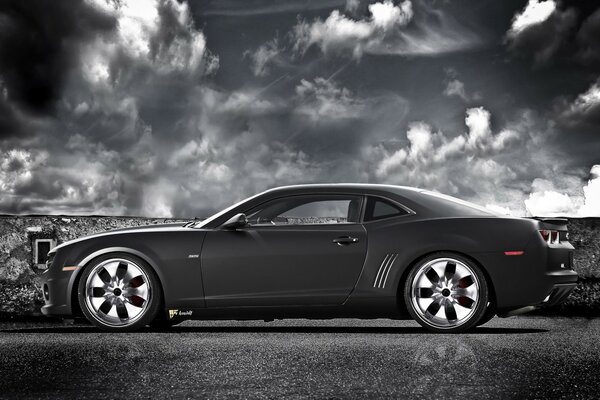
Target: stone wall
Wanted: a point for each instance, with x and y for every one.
(585, 237)
(18, 271)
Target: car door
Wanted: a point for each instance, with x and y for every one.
(296, 250)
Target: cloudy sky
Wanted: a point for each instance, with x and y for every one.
(173, 108)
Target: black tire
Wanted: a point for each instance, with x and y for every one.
(457, 304)
(490, 313)
(113, 314)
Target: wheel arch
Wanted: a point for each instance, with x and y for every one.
(400, 285)
(74, 282)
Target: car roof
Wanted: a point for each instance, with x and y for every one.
(424, 202)
(417, 199)
(348, 186)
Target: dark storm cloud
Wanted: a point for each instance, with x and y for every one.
(98, 130)
(9, 124)
(578, 119)
(39, 44)
(261, 7)
(532, 35)
(588, 39)
(569, 34)
(167, 110)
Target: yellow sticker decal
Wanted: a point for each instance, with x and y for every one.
(172, 313)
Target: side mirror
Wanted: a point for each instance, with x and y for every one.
(237, 221)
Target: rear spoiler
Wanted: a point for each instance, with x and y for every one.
(558, 222)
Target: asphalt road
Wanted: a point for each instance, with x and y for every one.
(525, 357)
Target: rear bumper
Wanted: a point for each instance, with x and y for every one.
(558, 294)
(541, 277)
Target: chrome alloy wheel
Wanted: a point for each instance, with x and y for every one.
(117, 292)
(445, 292)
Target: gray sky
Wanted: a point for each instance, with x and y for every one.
(166, 108)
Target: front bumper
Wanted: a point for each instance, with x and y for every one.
(56, 286)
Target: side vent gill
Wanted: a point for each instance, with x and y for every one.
(384, 270)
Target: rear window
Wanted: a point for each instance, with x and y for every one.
(378, 208)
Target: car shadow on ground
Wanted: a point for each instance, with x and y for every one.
(277, 329)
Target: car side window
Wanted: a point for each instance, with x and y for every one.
(378, 208)
(308, 210)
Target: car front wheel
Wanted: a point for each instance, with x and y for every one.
(446, 292)
(119, 292)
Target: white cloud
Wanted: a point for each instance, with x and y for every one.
(385, 31)
(352, 5)
(160, 204)
(264, 56)
(479, 165)
(191, 151)
(546, 201)
(591, 194)
(541, 30)
(535, 13)
(582, 114)
(157, 33)
(387, 16)
(322, 100)
(456, 88)
(335, 33)
(89, 185)
(549, 203)
(16, 167)
(246, 102)
(587, 102)
(428, 154)
(144, 134)
(111, 104)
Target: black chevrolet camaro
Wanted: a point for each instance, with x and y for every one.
(317, 251)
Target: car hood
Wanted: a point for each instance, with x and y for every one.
(156, 227)
(122, 231)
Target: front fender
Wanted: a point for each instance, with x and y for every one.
(115, 249)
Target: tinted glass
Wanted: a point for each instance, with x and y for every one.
(308, 210)
(380, 208)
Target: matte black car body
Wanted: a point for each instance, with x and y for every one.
(296, 271)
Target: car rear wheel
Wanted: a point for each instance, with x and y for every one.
(446, 292)
(119, 292)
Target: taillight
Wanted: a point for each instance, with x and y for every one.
(550, 236)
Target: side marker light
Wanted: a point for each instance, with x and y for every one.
(514, 253)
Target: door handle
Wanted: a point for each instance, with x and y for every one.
(345, 240)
